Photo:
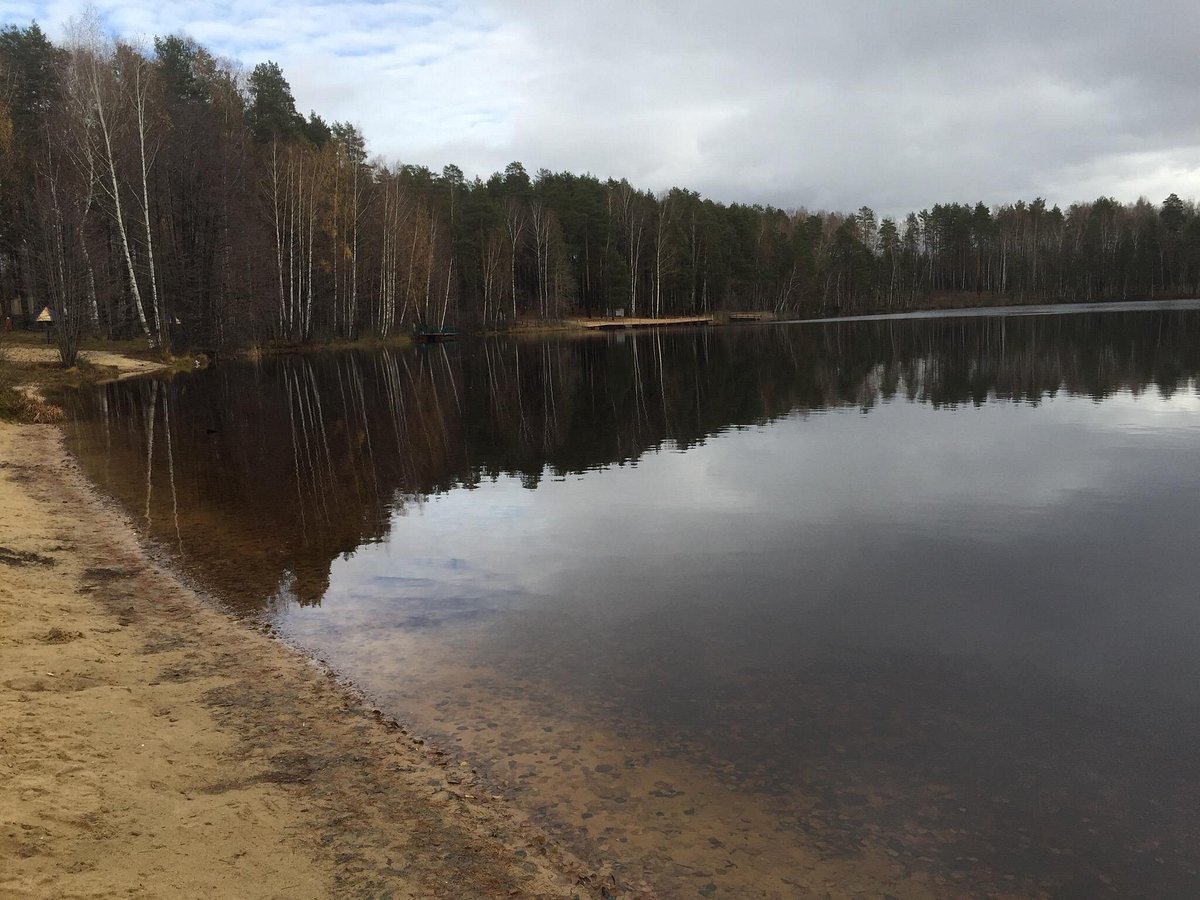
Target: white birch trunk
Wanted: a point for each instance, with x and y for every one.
(104, 120)
(141, 89)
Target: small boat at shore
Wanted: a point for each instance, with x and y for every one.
(428, 334)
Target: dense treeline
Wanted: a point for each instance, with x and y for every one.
(165, 192)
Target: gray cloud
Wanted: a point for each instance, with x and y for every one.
(895, 105)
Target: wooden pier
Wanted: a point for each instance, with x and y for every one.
(752, 316)
(641, 321)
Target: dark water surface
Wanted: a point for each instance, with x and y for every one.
(904, 606)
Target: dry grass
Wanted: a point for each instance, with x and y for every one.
(20, 402)
(12, 401)
(27, 379)
(38, 411)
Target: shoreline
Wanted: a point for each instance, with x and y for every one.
(129, 358)
(580, 781)
(152, 745)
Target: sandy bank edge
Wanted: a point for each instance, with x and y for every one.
(150, 746)
(118, 364)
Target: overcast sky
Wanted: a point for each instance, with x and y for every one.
(897, 105)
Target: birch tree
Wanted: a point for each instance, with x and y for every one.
(138, 81)
(664, 220)
(515, 223)
(633, 220)
(95, 97)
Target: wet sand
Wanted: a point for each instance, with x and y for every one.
(151, 746)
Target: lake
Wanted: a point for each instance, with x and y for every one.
(904, 606)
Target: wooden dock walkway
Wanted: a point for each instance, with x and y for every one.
(641, 321)
(752, 316)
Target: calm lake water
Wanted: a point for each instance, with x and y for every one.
(906, 606)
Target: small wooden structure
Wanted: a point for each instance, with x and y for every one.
(428, 334)
(45, 320)
(753, 316)
(642, 321)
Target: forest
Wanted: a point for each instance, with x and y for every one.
(164, 193)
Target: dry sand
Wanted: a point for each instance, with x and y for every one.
(150, 746)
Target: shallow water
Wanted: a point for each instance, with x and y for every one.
(903, 606)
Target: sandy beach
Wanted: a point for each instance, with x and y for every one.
(152, 746)
(118, 365)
